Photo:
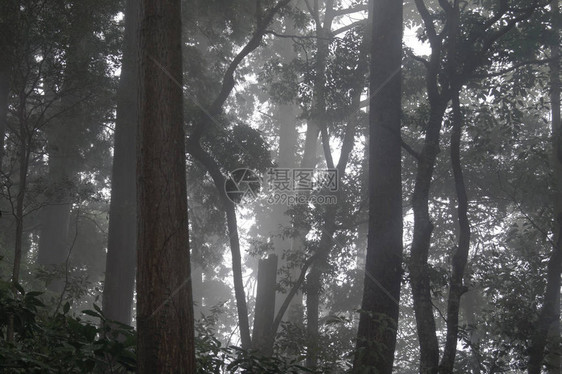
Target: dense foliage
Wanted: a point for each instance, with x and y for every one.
(275, 86)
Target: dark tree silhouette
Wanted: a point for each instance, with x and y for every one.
(376, 338)
(164, 306)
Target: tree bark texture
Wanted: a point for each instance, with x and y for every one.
(121, 246)
(378, 323)
(263, 335)
(164, 299)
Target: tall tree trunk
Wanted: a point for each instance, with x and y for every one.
(549, 316)
(194, 148)
(279, 219)
(24, 154)
(460, 254)
(378, 323)
(64, 157)
(8, 24)
(4, 94)
(470, 304)
(121, 246)
(444, 80)
(314, 286)
(239, 292)
(314, 125)
(264, 19)
(423, 228)
(263, 335)
(164, 306)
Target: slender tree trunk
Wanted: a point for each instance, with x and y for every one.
(196, 275)
(121, 247)
(194, 148)
(280, 220)
(24, 154)
(263, 335)
(470, 303)
(549, 316)
(164, 306)
(213, 168)
(314, 125)
(237, 275)
(423, 228)
(378, 323)
(314, 286)
(460, 254)
(8, 23)
(4, 94)
(62, 147)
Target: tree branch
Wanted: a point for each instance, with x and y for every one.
(343, 12)
(514, 67)
(349, 27)
(228, 81)
(426, 17)
(410, 53)
(411, 151)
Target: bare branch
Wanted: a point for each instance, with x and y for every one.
(343, 12)
(410, 53)
(228, 81)
(411, 151)
(351, 26)
(279, 35)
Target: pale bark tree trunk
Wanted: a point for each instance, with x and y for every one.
(378, 323)
(121, 247)
(547, 329)
(164, 306)
(276, 222)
